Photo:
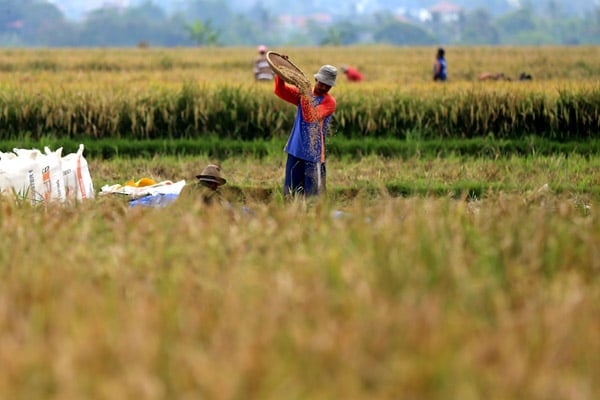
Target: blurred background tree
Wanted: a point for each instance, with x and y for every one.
(39, 23)
(203, 33)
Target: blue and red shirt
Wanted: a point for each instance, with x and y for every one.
(307, 139)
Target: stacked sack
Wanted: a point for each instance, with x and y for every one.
(44, 177)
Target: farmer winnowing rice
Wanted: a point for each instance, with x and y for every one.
(305, 168)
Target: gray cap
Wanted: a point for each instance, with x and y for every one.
(327, 75)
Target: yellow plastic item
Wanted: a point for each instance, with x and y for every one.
(145, 182)
(141, 183)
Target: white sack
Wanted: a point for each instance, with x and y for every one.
(55, 174)
(76, 176)
(47, 174)
(22, 175)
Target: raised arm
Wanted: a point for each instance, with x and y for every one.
(286, 92)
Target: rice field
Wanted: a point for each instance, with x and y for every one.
(190, 93)
(357, 297)
(358, 294)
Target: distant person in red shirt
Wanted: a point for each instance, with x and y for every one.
(352, 74)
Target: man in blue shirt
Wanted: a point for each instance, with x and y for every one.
(305, 168)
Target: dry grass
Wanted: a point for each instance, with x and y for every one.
(394, 297)
(523, 175)
(380, 64)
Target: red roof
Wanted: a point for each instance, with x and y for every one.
(445, 7)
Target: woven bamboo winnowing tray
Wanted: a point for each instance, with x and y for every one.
(288, 71)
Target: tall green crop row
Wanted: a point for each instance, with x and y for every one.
(469, 111)
(251, 112)
(190, 112)
(578, 114)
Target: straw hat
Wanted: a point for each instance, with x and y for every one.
(211, 174)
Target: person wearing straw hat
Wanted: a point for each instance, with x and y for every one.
(352, 73)
(305, 172)
(262, 69)
(210, 180)
(208, 191)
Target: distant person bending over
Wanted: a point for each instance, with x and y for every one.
(352, 74)
(262, 69)
(525, 77)
(488, 76)
(439, 67)
(305, 172)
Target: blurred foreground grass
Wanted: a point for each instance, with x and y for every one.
(369, 297)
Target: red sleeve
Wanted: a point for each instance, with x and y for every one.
(286, 92)
(325, 109)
